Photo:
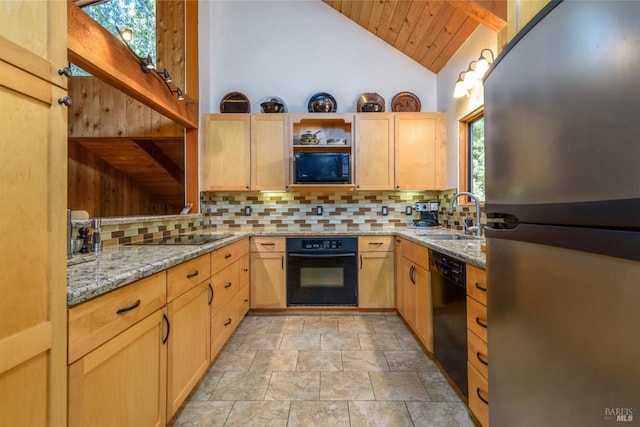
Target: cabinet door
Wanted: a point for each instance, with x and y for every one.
(409, 292)
(225, 156)
(269, 153)
(374, 151)
(424, 317)
(420, 151)
(33, 143)
(122, 382)
(399, 276)
(268, 286)
(375, 280)
(188, 344)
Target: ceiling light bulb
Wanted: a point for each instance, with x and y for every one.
(483, 64)
(460, 89)
(470, 77)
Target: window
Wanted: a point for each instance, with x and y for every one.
(472, 154)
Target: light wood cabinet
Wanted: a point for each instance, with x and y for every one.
(33, 143)
(189, 315)
(376, 272)
(269, 152)
(477, 354)
(123, 381)
(268, 273)
(420, 151)
(519, 13)
(374, 135)
(226, 152)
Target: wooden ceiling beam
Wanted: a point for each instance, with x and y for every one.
(492, 13)
(96, 50)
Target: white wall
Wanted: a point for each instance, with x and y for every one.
(293, 49)
(458, 108)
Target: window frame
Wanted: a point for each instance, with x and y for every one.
(464, 158)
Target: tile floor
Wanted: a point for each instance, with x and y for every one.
(323, 369)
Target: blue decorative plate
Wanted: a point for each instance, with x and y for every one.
(322, 102)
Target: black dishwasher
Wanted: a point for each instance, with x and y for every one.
(449, 299)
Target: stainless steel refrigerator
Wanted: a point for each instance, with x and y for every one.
(562, 117)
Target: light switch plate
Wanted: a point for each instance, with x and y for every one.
(385, 210)
(319, 210)
(408, 210)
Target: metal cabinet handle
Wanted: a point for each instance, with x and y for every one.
(268, 244)
(486, 401)
(227, 323)
(375, 243)
(227, 256)
(166, 319)
(480, 287)
(411, 276)
(211, 297)
(228, 285)
(360, 262)
(282, 262)
(482, 358)
(192, 275)
(65, 100)
(481, 322)
(131, 307)
(66, 71)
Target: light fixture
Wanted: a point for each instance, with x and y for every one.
(482, 65)
(460, 89)
(147, 65)
(470, 77)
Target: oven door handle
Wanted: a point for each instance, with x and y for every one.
(342, 255)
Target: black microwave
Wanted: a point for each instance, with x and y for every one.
(322, 167)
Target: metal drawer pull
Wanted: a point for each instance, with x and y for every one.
(482, 358)
(480, 322)
(375, 243)
(360, 262)
(228, 285)
(268, 244)
(480, 287)
(189, 276)
(211, 297)
(166, 319)
(131, 307)
(480, 396)
(227, 323)
(227, 256)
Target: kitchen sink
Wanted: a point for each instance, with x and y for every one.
(451, 237)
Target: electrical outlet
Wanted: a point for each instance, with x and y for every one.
(385, 210)
(247, 210)
(408, 210)
(319, 210)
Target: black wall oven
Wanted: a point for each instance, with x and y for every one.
(322, 272)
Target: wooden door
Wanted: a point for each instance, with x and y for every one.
(375, 280)
(420, 151)
(122, 382)
(268, 286)
(374, 151)
(269, 152)
(225, 156)
(188, 345)
(33, 147)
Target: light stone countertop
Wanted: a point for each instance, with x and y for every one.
(92, 275)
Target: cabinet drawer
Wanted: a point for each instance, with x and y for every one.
(375, 244)
(225, 256)
(187, 275)
(477, 353)
(95, 321)
(478, 395)
(477, 284)
(223, 323)
(477, 318)
(416, 253)
(267, 244)
(225, 285)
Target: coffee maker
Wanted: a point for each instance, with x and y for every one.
(427, 214)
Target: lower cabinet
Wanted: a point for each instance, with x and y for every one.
(477, 355)
(123, 381)
(268, 272)
(376, 272)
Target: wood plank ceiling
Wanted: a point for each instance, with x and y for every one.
(428, 31)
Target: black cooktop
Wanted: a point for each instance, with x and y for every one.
(183, 239)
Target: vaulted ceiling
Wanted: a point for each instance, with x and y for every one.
(429, 31)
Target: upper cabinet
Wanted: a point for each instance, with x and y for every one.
(420, 151)
(375, 151)
(269, 153)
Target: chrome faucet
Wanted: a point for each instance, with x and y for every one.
(473, 228)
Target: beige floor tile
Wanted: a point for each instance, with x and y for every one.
(204, 390)
(320, 414)
(438, 387)
(337, 316)
(440, 414)
(275, 360)
(379, 414)
(320, 327)
(365, 360)
(237, 385)
(398, 386)
(202, 413)
(389, 327)
(413, 361)
(263, 413)
(408, 342)
(322, 360)
(341, 341)
(286, 326)
(345, 386)
(379, 342)
(261, 342)
(231, 360)
(355, 325)
(300, 342)
(253, 326)
(294, 386)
